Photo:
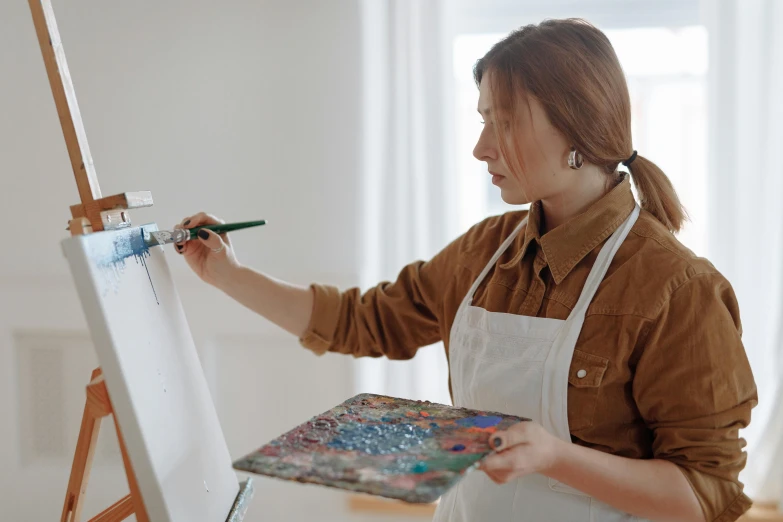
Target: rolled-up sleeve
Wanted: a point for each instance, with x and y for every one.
(392, 319)
(695, 389)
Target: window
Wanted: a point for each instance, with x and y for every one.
(665, 63)
(666, 72)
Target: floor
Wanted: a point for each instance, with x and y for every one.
(763, 513)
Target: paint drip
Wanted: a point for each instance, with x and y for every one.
(110, 250)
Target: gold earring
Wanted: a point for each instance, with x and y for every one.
(575, 160)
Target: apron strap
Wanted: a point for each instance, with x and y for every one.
(503, 247)
(554, 414)
(601, 266)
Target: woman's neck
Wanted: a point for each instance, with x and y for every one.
(587, 186)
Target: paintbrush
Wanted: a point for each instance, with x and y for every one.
(180, 235)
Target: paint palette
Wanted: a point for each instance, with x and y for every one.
(396, 448)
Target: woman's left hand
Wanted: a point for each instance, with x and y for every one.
(524, 448)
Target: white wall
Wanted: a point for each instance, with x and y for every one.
(245, 109)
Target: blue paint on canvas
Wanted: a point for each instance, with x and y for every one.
(111, 249)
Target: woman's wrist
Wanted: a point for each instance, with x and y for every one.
(286, 305)
(560, 455)
(228, 278)
(648, 488)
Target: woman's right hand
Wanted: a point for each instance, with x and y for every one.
(211, 255)
(212, 258)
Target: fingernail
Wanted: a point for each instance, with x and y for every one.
(497, 442)
(203, 234)
(186, 223)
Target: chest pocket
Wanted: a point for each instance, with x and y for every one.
(584, 383)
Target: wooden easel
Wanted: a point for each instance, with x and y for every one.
(96, 408)
(95, 213)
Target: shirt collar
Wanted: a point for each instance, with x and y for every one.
(565, 246)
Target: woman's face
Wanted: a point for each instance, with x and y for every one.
(543, 149)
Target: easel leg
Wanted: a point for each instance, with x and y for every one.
(82, 461)
(135, 493)
(96, 408)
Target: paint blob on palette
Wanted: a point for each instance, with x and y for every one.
(396, 448)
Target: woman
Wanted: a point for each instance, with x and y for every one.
(584, 314)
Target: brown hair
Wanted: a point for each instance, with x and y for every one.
(571, 68)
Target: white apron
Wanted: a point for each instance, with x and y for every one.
(519, 365)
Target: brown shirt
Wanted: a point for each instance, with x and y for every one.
(668, 376)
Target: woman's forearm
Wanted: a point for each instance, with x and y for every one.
(654, 489)
(288, 306)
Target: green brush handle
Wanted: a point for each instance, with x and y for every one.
(226, 227)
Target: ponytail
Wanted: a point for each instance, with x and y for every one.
(656, 193)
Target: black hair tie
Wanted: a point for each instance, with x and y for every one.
(630, 160)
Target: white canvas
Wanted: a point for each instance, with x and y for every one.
(153, 376)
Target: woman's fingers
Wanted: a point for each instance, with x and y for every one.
(509, 464)
(196, 220)
(495, 477)
(202, 218)
(212, 241)
(499, 470)
(515, 435)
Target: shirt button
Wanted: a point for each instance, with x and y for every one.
(581, 374)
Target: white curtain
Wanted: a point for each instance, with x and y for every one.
(408, 194)
(746, 206)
